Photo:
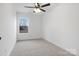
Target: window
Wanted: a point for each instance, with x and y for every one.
(23, 24)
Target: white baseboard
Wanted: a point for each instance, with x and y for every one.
(73, 51)
(11, 49)
(29, 39)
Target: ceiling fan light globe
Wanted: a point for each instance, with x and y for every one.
(36, 4)
(37, 10)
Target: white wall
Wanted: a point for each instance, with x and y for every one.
(7, 28)
(34, 29)
(61, 26)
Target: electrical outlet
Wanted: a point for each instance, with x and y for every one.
(0, 38)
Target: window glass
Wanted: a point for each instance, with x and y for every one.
(23, 24)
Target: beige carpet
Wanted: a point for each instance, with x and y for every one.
(38, 47)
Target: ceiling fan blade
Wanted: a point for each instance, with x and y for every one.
(43, 10)
(28, 7)
(48, 4)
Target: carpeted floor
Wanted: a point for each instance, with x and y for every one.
(37, 47)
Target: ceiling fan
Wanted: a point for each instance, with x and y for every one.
(38, 7)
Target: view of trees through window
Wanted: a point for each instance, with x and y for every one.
(23, 24)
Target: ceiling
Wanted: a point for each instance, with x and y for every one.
(20, 7)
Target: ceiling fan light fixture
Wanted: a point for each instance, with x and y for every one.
(37, 10)
(36, 4)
